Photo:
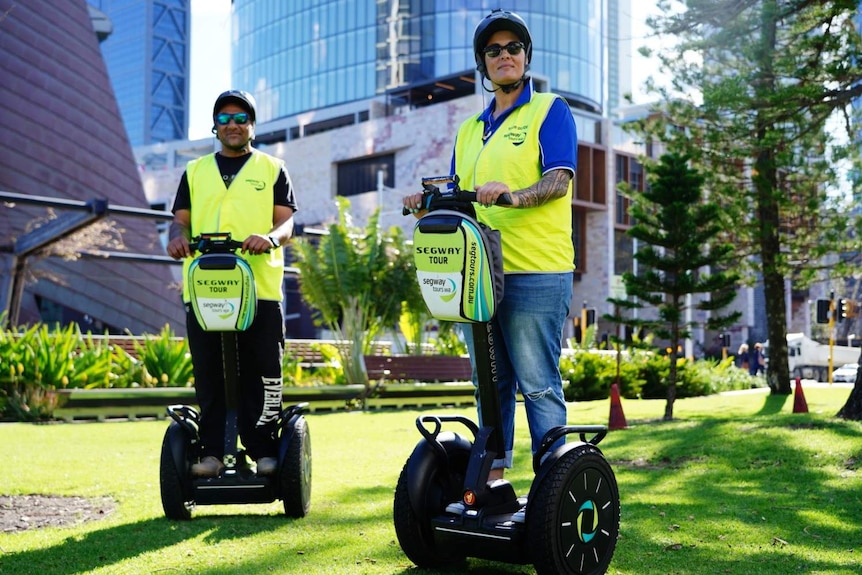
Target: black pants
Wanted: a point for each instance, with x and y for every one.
(260, 349)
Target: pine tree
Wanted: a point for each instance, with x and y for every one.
(680, 253)
(761, 100)
(356, 280)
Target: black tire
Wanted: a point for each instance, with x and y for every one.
(573, 517)
(295, 472)
(413, 532)
(175, 483)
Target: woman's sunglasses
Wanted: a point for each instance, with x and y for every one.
(494, 50)
(224, 119)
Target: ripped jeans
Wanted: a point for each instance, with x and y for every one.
(528, 330)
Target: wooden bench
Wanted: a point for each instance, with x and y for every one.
(426, 368)
(126, 342)
(380, 365)
(306, 351)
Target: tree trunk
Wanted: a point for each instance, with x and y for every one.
(671, 387)
(765, 179)
(778, 372)
(353, 357)
(853, 408)
(672, 374)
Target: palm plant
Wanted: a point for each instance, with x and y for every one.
(356, 280)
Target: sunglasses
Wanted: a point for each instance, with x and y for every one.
(224, 118)
(513, 48)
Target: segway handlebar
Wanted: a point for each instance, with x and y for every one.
(434, 199)
(216, 242)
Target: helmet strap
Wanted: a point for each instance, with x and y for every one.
(505, 88)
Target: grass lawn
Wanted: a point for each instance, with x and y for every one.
(737, 484)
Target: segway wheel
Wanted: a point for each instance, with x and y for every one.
(295, 471)
(414, 532)
(174, 478)
(573, 516)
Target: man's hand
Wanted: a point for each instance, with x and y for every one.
(256, 244)
(178, 248)
(179, 234)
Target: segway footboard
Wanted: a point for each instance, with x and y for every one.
(239, 487)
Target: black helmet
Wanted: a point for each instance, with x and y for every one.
(240, 97)
(500, 20)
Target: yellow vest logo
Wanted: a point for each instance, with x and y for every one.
(516, 134)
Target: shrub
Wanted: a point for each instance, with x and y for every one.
(331, 373)
(166, 359)
(95, 364)
(589, 375)
(449, 340)
(654, 372)
(36, 362)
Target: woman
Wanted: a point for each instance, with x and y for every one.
(523, 144)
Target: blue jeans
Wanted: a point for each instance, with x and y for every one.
(528, 331)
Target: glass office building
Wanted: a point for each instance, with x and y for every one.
(311, 54)
(147, 56)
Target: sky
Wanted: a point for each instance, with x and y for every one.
(210, 62)
(210, 57)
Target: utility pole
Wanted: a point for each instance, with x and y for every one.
(831, 333)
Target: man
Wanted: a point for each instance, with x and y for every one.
(249, 194)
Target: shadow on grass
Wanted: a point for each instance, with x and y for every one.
(84, 553)
(773, 404)
(757, 484)
(112, 546)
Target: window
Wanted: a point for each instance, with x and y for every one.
(628, 170)
(360, 176)
(579, 226)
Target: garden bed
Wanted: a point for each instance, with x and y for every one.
(137, 403)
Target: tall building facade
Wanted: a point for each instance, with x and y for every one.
(65, 146)
(314, 54)
(147, 56)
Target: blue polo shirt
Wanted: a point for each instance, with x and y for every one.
(558, 138)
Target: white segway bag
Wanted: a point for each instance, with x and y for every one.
(222, 291)
(459, 266)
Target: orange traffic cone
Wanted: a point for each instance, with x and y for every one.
(799, 403)
(617, 418)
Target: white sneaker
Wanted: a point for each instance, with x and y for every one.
(520, 516)
(456, 508)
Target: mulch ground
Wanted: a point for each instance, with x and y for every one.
(23, 512)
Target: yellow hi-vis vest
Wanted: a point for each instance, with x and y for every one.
(534, 239)
(243, 209)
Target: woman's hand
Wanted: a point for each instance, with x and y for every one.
(413, 204)
(487, 193)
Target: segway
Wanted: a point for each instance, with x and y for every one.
(230, 308)
(444, 509)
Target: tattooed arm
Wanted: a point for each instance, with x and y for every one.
(552, 186)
